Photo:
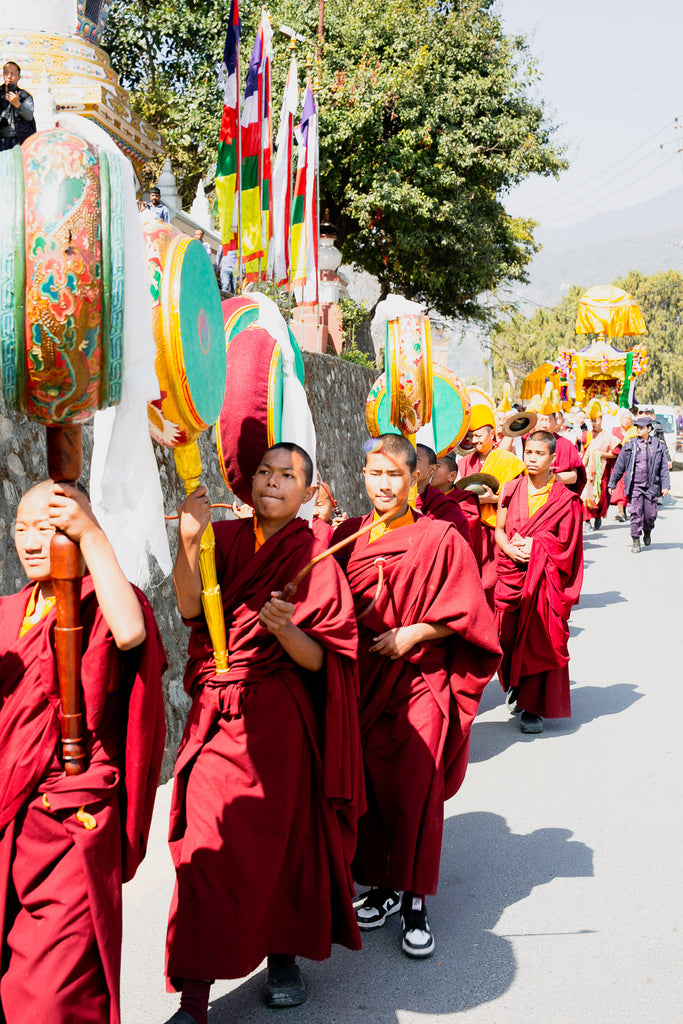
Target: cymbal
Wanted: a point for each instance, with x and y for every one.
(478, 482)
(519, 423)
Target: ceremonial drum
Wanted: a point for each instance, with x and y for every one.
(450, 414)
(188, 330)
(61, 278)
(243, 311)
(251, 418)
(408, 372)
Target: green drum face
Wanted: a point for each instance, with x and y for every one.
(194, 335)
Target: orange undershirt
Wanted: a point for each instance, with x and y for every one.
(537, 499)
(378, 531)
(29, 619)
(259, 539)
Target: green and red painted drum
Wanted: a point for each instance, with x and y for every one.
(188, 330)
(242, 311)
(450, 409)
(251, 417)
(61, 278)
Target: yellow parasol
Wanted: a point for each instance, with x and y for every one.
(608, 310)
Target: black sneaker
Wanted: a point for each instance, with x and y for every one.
(531, 723)
(647, 538)
(376, 906)
(284, 985)
(597, 522)
(418, 940)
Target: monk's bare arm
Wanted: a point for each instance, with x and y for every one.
(395, 643)
(70, 511)
(276, 616)
(488, 497)
(567, 477)
(519, 549)
(195, 515)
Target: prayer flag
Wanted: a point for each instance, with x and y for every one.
(227, 163)
(305, 206)
(279, 254)
(256, 100)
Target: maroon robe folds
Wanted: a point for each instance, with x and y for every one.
(566, 459)
(468, 503)
(268, 782)
(416, 711)
(436, 505)
(618, 496)
(60, 882)
(533, 601)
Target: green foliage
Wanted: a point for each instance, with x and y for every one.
(524, 343)
(426, 122)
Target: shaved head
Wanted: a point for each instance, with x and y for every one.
(39, 494)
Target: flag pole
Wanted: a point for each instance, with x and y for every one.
(239, 168)
(290, 142)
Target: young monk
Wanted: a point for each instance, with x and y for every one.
(68, 842)
(268, 780)
(504, 466)
(443, 479)
(427, 648)
(568, 466)
(433, 503)
(540, 571)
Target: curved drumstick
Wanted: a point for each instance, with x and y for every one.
(380, 563)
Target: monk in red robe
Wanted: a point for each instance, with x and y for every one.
(433, 503)
(427, 648)
(443, 479)
(600, 451)
(540, 571)
(504, 466)
(268, 781)
(68, 842)
(568, 466)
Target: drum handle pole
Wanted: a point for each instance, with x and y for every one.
(64, 463)
(188, 462)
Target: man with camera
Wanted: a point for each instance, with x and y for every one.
(16, 109)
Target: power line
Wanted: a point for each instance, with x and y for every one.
(600, 174)
(628, 184)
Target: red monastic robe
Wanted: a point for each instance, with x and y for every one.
(533, 601)
(468, 503)
(416, 712)
(473, 463)
(268, 781)
(60, 883)
(434, 504)
(618, 496)
(322, 531)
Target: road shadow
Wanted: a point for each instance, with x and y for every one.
(601, 600)
(485, 868)
(489, 739)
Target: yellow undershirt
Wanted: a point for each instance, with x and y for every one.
(29, 619)
(537, 499)
(378, 531)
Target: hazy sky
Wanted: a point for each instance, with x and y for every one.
(612, 79)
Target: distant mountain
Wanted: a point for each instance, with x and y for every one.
(605, 247)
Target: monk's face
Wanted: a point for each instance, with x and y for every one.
(482, 439)
(425, 472)
(280, 488)
(388, 482)
(548, 423)
(537, 457)
(596, 424)
(33, 533)
(444, 475)
(324, 509)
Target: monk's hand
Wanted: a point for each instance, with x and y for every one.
(488, 497)
(665, 491)
(276, 614)
(243, 511)
(395, 643)
(521, 548)
(71, 513)
(195, 515)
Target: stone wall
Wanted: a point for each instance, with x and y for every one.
(336, 390)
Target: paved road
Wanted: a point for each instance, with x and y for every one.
(560, 898)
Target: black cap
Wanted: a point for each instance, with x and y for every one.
(155, 191)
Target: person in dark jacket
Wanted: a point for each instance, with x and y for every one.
(16, 109)
(644, 465)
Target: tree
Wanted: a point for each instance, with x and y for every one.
(523, 343)
(426, 122)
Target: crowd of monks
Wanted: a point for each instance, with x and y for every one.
(309, 788)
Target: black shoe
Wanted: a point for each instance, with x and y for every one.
(647, 538)
(531, 723)
(284, 985)
(181, 1017)
(376, 906)
(597, 523)
(418, 940)
(635, 548)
